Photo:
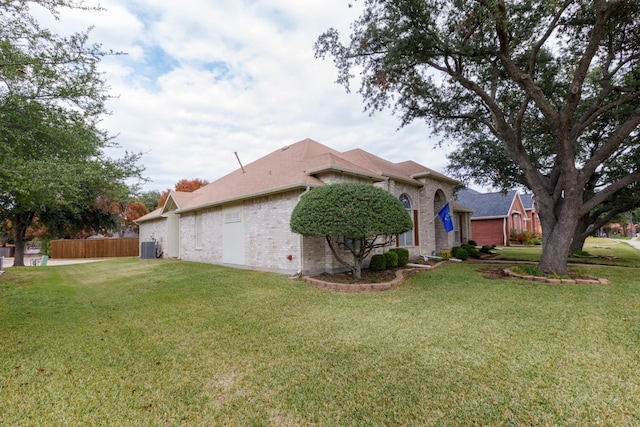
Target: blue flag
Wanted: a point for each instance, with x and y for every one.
(445, 216)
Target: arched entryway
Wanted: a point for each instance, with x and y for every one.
(442, 240)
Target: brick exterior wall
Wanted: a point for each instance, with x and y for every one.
(210, 249)
(154, 231)
(497, 231)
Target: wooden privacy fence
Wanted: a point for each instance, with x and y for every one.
(95, 248)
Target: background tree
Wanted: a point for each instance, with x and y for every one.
(185, 185)
(52, 158)
(539, 77)
(353, 216)
(487, 163)
(150, 199)
(134, 210)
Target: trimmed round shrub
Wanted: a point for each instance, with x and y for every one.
(472, 251)
(403, 256)
(486, 249)
(472, 243)
(460, 253)
(391, 259)
(378, 262)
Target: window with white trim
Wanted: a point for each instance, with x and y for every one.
(406, 238)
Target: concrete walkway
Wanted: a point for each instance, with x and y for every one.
(633, 242)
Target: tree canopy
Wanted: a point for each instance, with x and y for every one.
(53, 164)
(354, 216)
(546, 91)
(185, 185)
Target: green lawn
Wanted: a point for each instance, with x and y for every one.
(130, 342)
(604, 252)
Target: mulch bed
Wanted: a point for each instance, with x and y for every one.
(502, 273)
(368, 276)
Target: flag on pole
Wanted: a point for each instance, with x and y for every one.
(445, 216)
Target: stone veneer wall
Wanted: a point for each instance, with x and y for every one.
(414, 194)
(429, 219)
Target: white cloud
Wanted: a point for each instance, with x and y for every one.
(204, 79)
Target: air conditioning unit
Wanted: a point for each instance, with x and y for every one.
(148, 250)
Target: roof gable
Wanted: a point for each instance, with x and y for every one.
(399, 171)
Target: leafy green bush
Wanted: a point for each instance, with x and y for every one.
(525, 237)
(445, 254)
(403, 256)
(472, 251)
(486, 249)
(460, 253)
(351, 212)
(391, 259)
(472, 243)
(378, 262)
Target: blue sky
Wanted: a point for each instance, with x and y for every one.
(206, 78)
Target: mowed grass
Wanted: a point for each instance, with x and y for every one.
(602, 251)
(130, 342)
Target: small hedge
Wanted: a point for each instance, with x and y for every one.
(391, 259)
(472, 251)
(378, 262)
(486, 249)
(460, 253)
(403, 256)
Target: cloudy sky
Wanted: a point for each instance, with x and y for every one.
(203, 79)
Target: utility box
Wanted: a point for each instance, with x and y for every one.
(148, 250)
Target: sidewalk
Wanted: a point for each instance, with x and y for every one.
(633, 242)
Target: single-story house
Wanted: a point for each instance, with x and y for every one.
(495, 215)
(242, 219)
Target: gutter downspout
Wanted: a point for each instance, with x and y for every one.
(504, 232)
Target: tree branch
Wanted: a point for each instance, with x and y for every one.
(603, 195)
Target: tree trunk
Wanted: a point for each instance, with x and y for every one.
(580, 235)
(357, 261)
(22, 221)
(558, 227)
(556, 245)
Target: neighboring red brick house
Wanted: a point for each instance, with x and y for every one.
(532, 220)
(494, 216)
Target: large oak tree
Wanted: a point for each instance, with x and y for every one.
(537, 75)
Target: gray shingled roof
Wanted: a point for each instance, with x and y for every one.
(527, 200)
(486, 205)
